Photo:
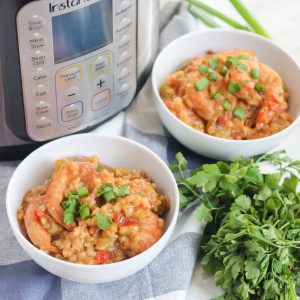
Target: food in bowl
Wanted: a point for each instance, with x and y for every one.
(228, 94)
(90, 213)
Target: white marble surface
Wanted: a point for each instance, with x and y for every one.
(282, 21)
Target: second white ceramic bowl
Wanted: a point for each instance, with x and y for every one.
(113, 151)
(183, 49)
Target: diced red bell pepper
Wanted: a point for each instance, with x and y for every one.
(102, 257)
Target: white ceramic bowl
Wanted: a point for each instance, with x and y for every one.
(194, 44)
(113, 151)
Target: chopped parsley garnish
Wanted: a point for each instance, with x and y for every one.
(239, 112)
(121, 191)
(110, 192)
(233, 87)
(106, 190)
(213, 62)
(70, 207)
(203, 69)
(103, 222)
(201, 84)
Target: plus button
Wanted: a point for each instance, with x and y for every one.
(100, 83)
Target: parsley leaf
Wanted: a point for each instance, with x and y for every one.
(69, 207)
(103, 222)
(251, 242)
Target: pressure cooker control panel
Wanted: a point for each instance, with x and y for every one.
(78, 63)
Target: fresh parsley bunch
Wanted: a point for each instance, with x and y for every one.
(251, 243)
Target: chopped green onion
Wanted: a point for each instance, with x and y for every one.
(213, 62)
(216, 95)
(241, 67)
(83, 191)
(103, 222)
(248, 17)
(239, 113)
(100, 168)
(259, 87)
(201, 84)
(229, 61)
(218, 14)
(224, 71)
(233, 87)
(212, 75)
(203, 69)
(243, 56)
(254, 73)
(84, 212)
(227, 105)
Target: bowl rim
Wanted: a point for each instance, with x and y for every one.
(194, 131)
(16, 230)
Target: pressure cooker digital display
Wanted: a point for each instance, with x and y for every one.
(82, 31)
(78, 63)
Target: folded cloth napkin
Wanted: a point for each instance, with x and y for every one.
(169, 275)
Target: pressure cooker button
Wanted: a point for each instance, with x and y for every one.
(124, 7)
(124, 58)
(43, 123)
(124, 74)
(124, 42)
(41, 91)
(124, 25)
(42, 108)
(36, 23)
(70, 76)
(98, 64)
(38, 59)
(123, 88)
(100, 82)
(72, 111)
(72, 93)
(37, 41)
(40, 75)
(101, 100)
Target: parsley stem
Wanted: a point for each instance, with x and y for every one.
(189, 188)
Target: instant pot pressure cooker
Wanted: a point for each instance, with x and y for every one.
(68, 65)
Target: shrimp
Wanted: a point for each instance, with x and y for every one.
(184, 113)
(274, 102)
(39, 236)
(144, 229)
(201, 104)
(68, 173)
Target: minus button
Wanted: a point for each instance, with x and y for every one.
(72, 93)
